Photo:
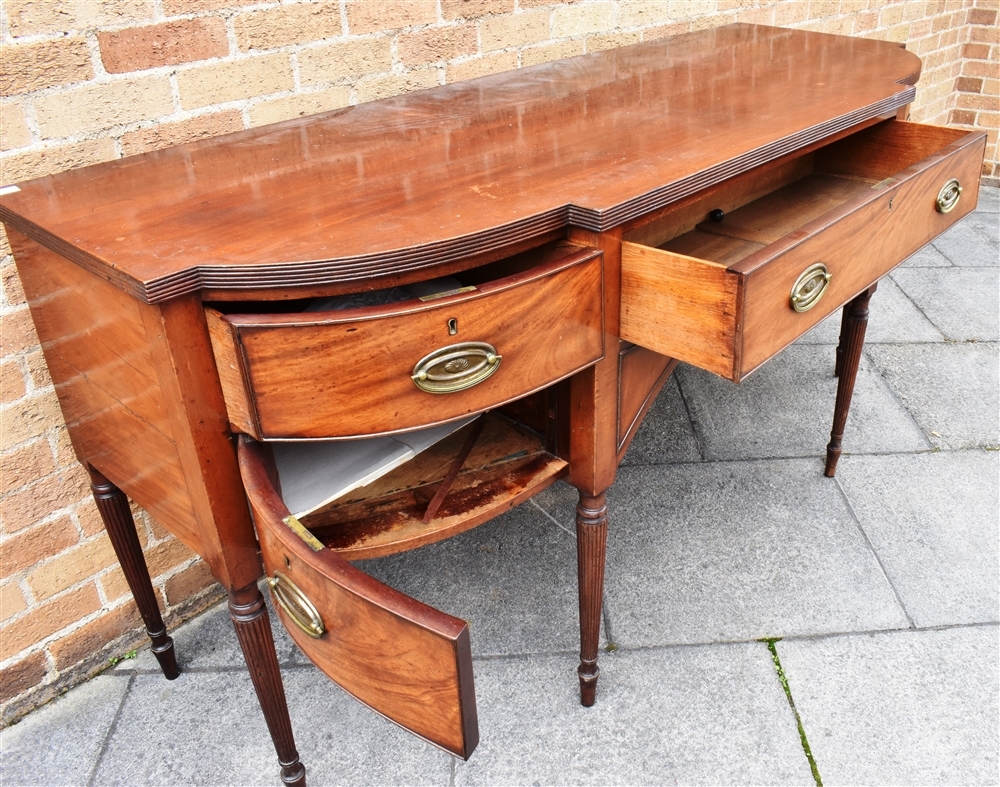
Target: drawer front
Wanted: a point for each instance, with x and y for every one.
(858, 250)
(327, 375)
(407, 661)
(729, 317)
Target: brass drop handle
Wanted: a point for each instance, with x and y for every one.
(810, 286)
(949, 195)
(456, 367)
(296, 605)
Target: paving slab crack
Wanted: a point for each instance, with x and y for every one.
(91, 781)
(772, 647)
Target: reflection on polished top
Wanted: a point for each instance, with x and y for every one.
(444, 173)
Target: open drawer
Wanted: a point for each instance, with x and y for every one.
(404, 659)
(773, 252)
(495, 335)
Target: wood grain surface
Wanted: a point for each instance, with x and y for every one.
(349, 373)
(717, 296)
(411, 663)
(592, 141)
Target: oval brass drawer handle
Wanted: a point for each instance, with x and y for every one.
(456, 367)
(947, 198)
(296, 605)
(810, 286)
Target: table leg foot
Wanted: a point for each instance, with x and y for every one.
(591, 547)
(117, 516)
(852, 340)
(253, 629)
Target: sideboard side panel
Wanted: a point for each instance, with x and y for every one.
(99, 356)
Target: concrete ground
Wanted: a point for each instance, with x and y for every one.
(764, 624)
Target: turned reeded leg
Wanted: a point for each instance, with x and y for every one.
(253, 629)
(852, 340)
(591, 546)
(114, 509)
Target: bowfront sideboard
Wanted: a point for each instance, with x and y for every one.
(443, 302)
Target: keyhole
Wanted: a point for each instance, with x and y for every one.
(890, 202)
(452, 326)
(288, 563)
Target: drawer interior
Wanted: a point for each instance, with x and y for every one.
(803, 191)
(469, 476)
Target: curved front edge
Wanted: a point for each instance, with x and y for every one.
(402, 658)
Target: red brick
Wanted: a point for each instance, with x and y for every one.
(435, 44)
(28, 548)
(979, 68)
(26, 464)
(23, 675)
(375, 16)
(28, 67)
(12, 600)
(471, 9)
(976, 51)
(166, 556)
(91, 637)
(165, 44)
(969, 85)
(985, 35)
(181, 7)
(78, 564)
(20, 509)
(12, 385)
(982, 16)
(31, 17)
(163, 135)
(961, 117)
(13, 292)
(47, 619)
(188, 583)
(38, 370)
(17, 332)
(282, 25)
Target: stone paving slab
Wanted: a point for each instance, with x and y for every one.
(893, 318)
(932, 520)
(665, 434)
(738, 551)
(513, 579)
(963, 303)
(693, 715)
(973, 242)
(202, 728)
(209, 640)
(906, 708)
(785, 409)
(60, 743)
(950, 390)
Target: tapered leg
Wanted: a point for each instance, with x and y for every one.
(591, 546)
(852, 340)
(253, 629)
(842, 341)
(113, 507)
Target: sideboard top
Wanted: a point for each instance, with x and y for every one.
(432, 176)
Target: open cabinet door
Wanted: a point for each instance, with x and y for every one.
(402, 658)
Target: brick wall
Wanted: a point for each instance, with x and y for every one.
(83, 81)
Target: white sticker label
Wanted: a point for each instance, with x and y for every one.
(8, 190)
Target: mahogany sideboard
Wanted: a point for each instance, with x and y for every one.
(206, 309)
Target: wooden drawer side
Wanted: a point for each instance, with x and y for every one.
(680, 307)
(858, 249)
(232, 374)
